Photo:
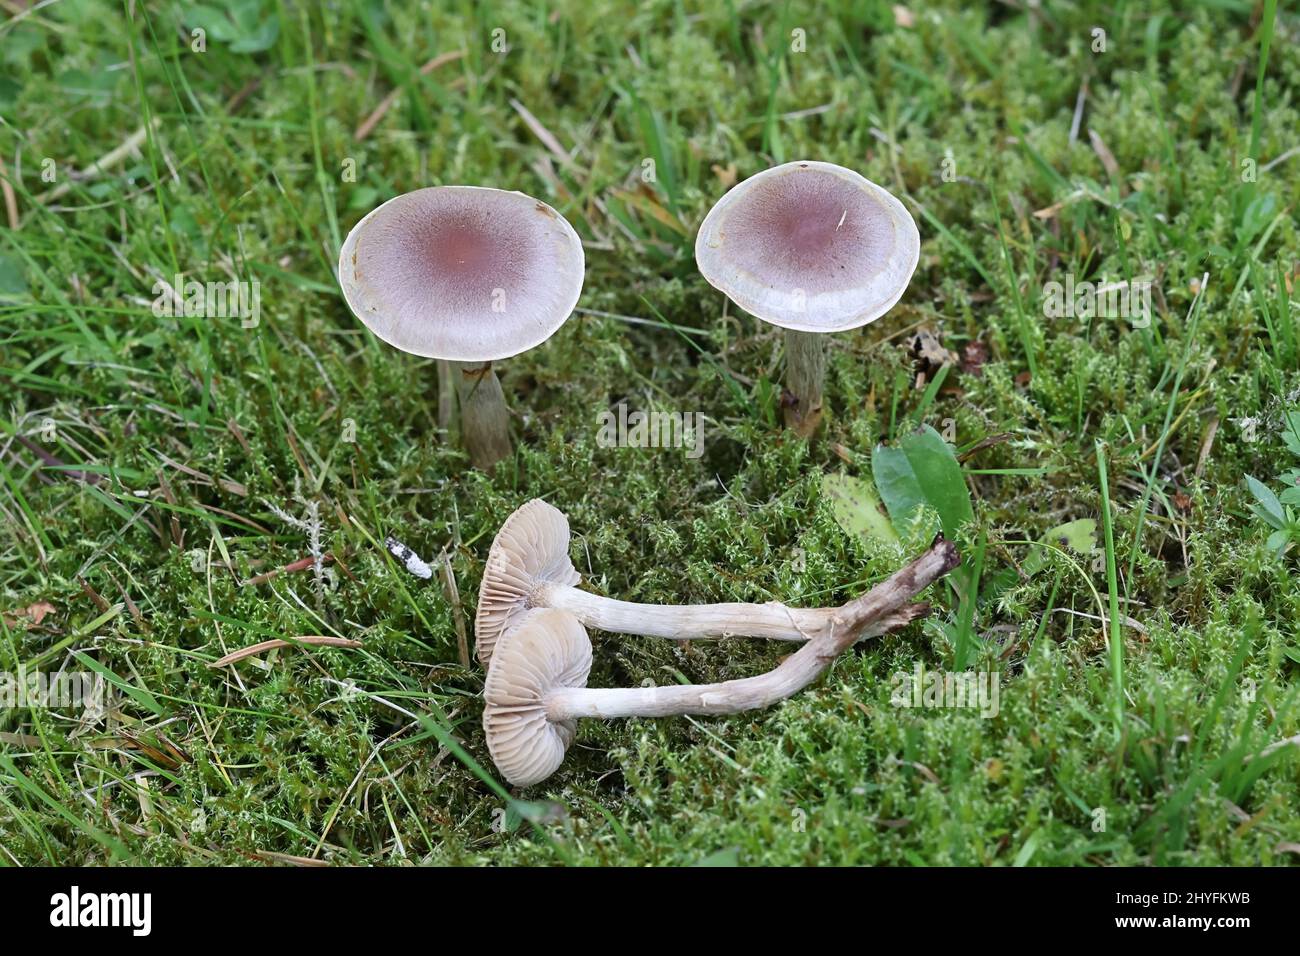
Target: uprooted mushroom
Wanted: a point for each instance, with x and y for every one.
(536, 684)
(528, 567)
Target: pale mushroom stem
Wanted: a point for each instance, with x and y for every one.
(680, 622)
(805, 374)
(446, 394)
(484, 418)
(886, 602)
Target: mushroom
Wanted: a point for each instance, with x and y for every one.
(536, 686)
(528, 567)
(466, 274)
(812, 248)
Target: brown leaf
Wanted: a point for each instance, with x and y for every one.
(33, 612)
(973, 356)
(929, 352)
(726, 174)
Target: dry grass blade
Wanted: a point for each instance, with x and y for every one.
(542, 133)
(314, 640)
(370, 122)
(288, 859)
(11, 201)
(110, 159)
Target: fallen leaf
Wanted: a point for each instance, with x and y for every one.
(973, 357)
(726, 174)
(927, 348)
(33, 612)
(856, 508)
(1080, 536)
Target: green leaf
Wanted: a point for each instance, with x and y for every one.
(728, 857)
(213, 21)
(1270, 509)
(20, 43)
(263, 38)
(363, 197)
(922, 470)
(80, 83)
(1079, 536)
(1291, 432)
(13, 281)
(537, 811)
(9, 91)
(138, 694)
(240, 25)
(856, 508)
(1027, 851)
(1255, 216)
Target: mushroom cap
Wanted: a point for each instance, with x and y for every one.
(531, 548)
(549, 649)
(464, 273)
(809, 246)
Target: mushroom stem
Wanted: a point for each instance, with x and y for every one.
(885, 604)
(805, 373)
(446, 394)
(484, 419)
(773, 621)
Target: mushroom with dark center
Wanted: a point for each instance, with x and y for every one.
(536, 685)
(528, 567)
(469, 275)
(812, 248)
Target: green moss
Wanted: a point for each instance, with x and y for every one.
(317, 753)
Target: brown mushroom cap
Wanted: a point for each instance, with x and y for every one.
(531, 548)
(464, 273)
(547, 650)
(809, 246)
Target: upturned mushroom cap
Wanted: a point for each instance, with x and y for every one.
(809, 246)
(532, 548)
(464, 273)
(549, 649)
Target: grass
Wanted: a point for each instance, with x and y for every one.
(147, 463)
